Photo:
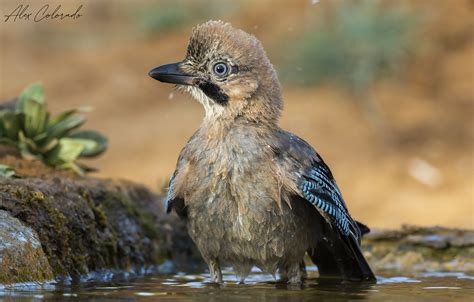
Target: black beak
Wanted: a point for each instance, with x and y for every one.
(170, 73)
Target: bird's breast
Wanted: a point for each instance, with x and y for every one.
(237, 216)
(235, 178)
(234, 204)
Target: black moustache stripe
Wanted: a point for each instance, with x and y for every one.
(214, 92)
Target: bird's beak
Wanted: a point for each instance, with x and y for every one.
(170, 73)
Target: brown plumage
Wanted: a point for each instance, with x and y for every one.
(252, 193)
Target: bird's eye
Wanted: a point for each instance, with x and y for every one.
(221, 69)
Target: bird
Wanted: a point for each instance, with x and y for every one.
(251, 193)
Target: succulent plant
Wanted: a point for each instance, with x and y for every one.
(54, 140)
(6, 171)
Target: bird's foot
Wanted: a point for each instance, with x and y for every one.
(295, 274)
(215, 271)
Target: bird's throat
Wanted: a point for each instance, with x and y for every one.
(214, 92)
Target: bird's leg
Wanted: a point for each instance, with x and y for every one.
(242, 270)
(288, 271)
(215, 270)
(283, 273)
(295, 273)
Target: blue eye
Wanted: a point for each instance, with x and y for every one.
(221, 69)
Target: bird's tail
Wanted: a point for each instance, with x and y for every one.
(363, 228)
(341, 259)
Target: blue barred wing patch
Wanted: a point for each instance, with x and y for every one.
(319, 188)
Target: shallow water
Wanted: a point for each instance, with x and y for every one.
(437, 286)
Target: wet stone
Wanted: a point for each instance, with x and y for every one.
(21, 256)
(86, 226)
(417, 249)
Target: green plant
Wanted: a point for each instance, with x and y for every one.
(6, 171)
(363, 41)
(360, 43)
(51, 139)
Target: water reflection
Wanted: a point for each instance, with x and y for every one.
(456, 286)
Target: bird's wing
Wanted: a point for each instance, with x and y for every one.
(174, 200)
(317, 185)
(337, 251)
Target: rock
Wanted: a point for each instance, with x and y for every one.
(415, 249)
(87, 225)
(21, 256)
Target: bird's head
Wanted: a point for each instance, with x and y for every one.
(228, 72)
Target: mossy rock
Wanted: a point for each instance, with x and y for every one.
(85, 224)
(21, 257)
(413, 249)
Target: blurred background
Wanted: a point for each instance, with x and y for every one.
(382, 89)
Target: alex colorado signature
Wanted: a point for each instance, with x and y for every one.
(24, 13)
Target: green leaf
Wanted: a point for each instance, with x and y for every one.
(87, 144)
(36, 117)
(27, 147)
(26, 143)
(67, 151)
(94, 142)
(63, 127)
(8, 142)
(72, 166)
(2, 129)
(40, 137)
(50, 145)
(12, 124)
(86, 169)
(33, 92)
(6, 171)
(61, 117)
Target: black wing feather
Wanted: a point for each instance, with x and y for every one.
(317, 185)
(337, 252)
(173, 202)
